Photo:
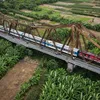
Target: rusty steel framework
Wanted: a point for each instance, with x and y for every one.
(79, 34)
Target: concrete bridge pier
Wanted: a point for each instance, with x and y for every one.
(70, 67)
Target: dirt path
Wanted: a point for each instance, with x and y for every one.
(21, 72)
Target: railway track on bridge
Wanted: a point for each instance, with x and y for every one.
(12, 29)
(76, 62)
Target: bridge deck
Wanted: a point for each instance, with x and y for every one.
(65, 57)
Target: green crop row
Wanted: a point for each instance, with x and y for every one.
(53, 16)
(87, 12)
(21, 4)
(61, 86)
(73, 6)
(10, 55)
(81, 9)
(37, 80)
(57, 18)
(27, 85)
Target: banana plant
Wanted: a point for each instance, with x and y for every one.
(61, 86)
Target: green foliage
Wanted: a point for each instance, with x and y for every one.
(7, 57)
(36, 90)
(61, 34)
(44, 13)
(24, 4)
(79, 8)
(29, 52)
(93, 49)
(61, 86)
(21, 50)
(27, 85)
(3, 67)
(4, 11)
(43, 62)
(50, 64)
(10, 54)
(3, 46)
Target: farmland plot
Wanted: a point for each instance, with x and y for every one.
(20, 73)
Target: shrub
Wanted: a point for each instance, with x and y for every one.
(3, 67)
(52, 64)
(21, 50)
(29, 52)
(3, 46)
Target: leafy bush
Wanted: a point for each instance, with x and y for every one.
(29, 52)
(3, 67)
(21, 50)
(4, 11)
(60, 35)
(3, 46)
(43, 62)
(50, 64)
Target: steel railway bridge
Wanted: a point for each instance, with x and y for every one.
(79, 36)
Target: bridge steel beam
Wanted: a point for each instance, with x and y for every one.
(65, 57)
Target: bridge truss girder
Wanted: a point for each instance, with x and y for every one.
(78, 32)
